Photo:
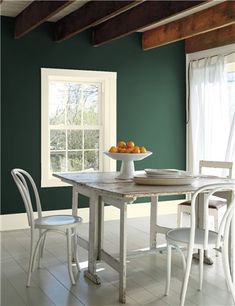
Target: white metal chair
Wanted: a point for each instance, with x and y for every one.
(65, 224)
(217, 206)
(202, 239)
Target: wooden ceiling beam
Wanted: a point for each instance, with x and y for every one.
(89, 15)
(36, 13)
(213, 39)
(145, 14)
(207, 20)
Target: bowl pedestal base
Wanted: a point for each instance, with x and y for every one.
(127, 170)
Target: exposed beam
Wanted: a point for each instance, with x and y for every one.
(207, 20)
(89, 15)
(138, 18)
(213, 39)
(36, 13)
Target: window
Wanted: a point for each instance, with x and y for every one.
(78, 122)
(211, 106)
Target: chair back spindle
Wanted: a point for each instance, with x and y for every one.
(23, 181)
(208, 191)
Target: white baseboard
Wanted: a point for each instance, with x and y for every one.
(19, 221)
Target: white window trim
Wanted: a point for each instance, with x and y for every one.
(108, 113)
(195, 56)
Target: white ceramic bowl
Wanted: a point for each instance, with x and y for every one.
(127, 168)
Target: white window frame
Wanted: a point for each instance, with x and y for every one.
(195, 56)
(108, 116)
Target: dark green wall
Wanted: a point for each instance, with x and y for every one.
(150, 101)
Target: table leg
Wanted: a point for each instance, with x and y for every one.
(200, 222)
(153, 222)
(100, 228)
(93, 240)
(74, 213)
(123, 250)
(75, 201)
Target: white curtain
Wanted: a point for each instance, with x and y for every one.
(211, 136)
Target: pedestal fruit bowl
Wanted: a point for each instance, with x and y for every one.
(127, 170)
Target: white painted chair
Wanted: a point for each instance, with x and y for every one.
(202, 239)
(65, 224)
(217, 206)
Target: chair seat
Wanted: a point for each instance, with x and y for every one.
(183, 235)
(57, 221)
(216, 204)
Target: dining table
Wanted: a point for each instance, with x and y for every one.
(104, 188)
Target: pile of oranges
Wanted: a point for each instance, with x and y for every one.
(127, 147)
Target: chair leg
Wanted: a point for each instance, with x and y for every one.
(76, 249)
(30, 259)
(227, 271)
(168, 279)
(201, 261)
(36, 251)
(69, 255)
(42, 246)
(186, 277)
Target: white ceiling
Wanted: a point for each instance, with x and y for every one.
(12, 8)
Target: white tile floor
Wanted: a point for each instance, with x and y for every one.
(145, 275)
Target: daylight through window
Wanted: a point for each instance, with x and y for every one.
(78, 121)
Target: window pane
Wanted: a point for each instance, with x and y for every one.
(74, 139)
(91, 139)
(58, 140)
(91, 160)
(58, 163)
(74, 105)
(57, 100)
(91, 105)
(74, 161)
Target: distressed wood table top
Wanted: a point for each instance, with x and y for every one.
(105, 183)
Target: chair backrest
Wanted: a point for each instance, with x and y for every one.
(208, 191)
(23, 182)
(218, 165)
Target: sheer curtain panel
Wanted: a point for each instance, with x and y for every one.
(210, 131)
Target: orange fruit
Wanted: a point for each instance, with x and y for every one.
(143, 150)
(129, 150)
(113, 149)
(121, 144)
(136, 149)
(122, 150)
(130, 144)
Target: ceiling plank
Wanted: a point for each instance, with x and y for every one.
(213, 39)
(36, 13)
(90, 14)
(207, 20)
(138, 18)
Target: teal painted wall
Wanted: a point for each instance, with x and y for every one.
(150, 101)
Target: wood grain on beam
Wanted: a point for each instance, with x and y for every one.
(213, 39)
(138, 18)
(36, 13)
(207, 20)
(90, 14)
